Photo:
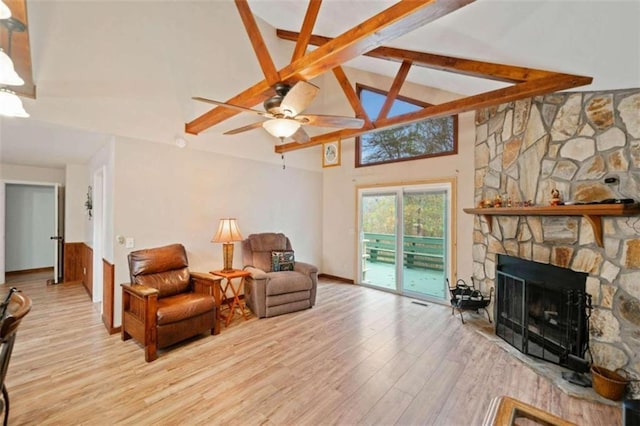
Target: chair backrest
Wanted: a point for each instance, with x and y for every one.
(163, 268)
(257, 248)
(18, 305)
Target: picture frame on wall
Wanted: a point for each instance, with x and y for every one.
(331, 154)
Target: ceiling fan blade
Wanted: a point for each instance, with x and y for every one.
(299, 97)
(300, 136)
(244, 128)
(231, 106)
(331, 121)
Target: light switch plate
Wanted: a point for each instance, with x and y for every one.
(129, 242)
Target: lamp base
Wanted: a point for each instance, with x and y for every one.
(227, 257)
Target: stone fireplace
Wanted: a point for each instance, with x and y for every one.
(571, 142)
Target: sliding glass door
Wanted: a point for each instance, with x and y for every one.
(405, 235)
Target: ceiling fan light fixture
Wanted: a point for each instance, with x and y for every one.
(8, 74)
(281, 127)
(5, 12)
(11, 105)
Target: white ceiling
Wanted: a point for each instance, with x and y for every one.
(130, 68)
(34, 143)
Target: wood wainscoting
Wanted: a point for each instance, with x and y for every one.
(108, 279)
(78, 265)
(73, 261)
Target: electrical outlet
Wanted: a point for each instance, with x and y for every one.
(129, 242)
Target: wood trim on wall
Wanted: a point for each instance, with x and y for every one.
(108, 279)
(336, 278)
(87, 278)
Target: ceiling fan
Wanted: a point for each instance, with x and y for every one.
(283, 113)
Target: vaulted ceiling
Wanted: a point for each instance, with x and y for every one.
(367, 38)
(128, 69)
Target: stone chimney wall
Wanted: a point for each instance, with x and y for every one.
(570, 142)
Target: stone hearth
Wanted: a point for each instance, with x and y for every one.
(571, 142)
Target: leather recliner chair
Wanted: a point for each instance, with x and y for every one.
(269, 293)
(165, 303)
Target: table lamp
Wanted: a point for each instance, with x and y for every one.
(228, 232)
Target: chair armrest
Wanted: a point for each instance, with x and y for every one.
(204, 279)
(256, 274)
(305, 268)
(139, 290)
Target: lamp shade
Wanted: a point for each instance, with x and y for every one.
(8, 74)
(281, 127)
(227, 231)
(11, 105)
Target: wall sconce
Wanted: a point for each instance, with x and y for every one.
(88, 204)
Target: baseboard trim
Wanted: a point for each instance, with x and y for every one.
(29, 271)
(336, 278)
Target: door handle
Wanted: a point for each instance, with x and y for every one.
(55, 238)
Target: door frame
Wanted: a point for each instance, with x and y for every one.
(99, 216)
(3, 214)
(451, 269)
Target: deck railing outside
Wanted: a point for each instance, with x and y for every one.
(419, 252)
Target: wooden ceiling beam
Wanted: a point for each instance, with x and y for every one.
(486, 70)
(257, 42)
(523, 90)
(307, 29)
(352, 96)
(395, 21)
(398, 81)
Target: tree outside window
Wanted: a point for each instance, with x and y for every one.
(427, 138)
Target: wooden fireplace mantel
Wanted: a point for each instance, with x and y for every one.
(592, 212)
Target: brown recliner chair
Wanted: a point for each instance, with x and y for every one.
(165, 303)
(269, 293)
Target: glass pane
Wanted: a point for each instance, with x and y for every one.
(378, 240)
(424, 138)
(424, 243)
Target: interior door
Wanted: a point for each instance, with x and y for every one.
(58, 237)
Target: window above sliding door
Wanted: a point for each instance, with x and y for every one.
(427, 138)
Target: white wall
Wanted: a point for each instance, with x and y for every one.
(20, 173)
(30, 222)
(339, 183)
(169, 195)
(76, 184)
(134, 77)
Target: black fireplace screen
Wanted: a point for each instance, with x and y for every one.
(541, 316)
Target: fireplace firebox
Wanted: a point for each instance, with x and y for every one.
(542, 310)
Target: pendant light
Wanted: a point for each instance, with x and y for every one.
(8, 74)
(5, 12)
(10, 103)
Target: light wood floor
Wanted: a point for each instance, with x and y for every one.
(359, 356)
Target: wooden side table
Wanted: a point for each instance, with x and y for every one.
(235, 302)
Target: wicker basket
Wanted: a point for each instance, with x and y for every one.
(608, 383)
